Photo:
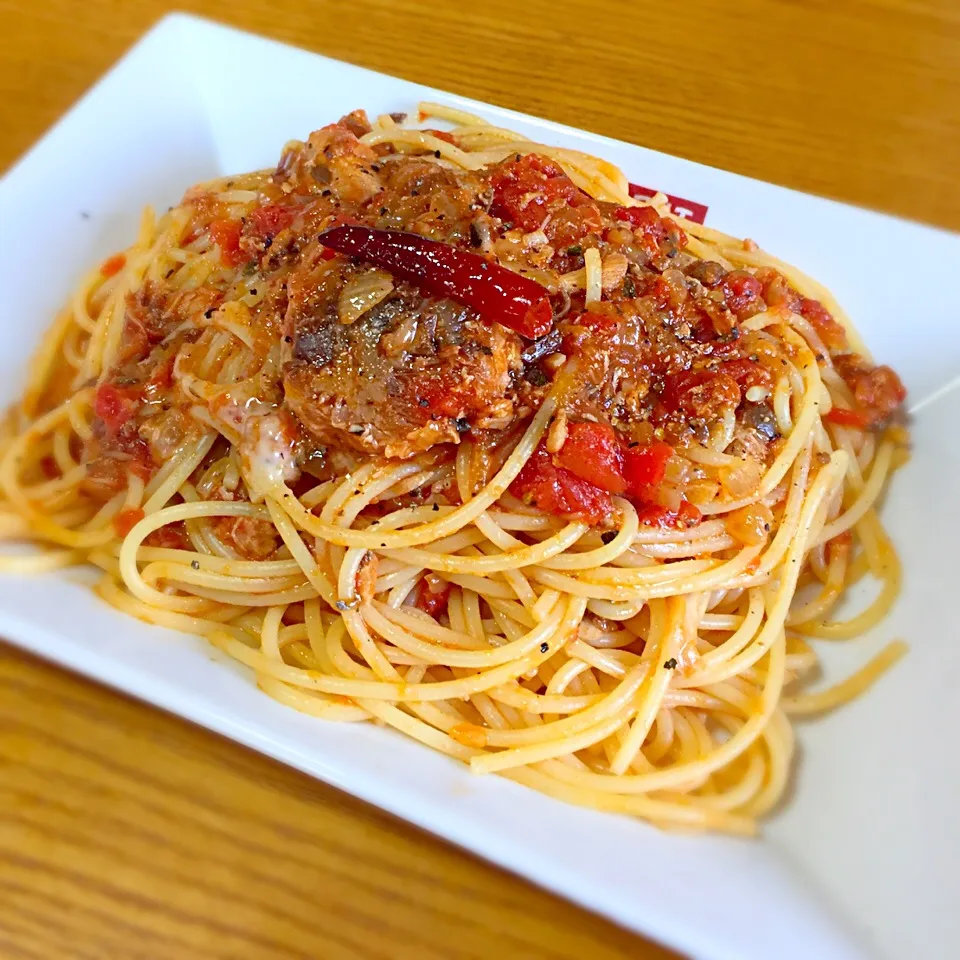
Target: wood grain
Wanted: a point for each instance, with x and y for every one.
(126, 833)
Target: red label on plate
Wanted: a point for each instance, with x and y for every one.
(687, 209)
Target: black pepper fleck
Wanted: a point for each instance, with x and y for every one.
(436, 507)
(195, 564)
(670, 664)
(544, 647)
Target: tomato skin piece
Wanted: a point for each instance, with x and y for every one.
(443, 135)
(113, 265)
(644, 467)
(116, 405)
(560, 492)
(592, 452)
(126, 520)
(857, 419)
(226, 235)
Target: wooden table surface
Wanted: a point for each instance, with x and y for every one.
(129, 834)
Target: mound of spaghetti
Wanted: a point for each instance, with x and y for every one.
(445, 430)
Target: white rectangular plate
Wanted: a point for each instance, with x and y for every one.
(862, 861)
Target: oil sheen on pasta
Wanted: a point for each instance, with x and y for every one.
(588, 552)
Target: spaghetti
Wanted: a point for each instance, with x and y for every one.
(444, 430)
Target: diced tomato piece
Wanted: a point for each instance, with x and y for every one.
(878, 391)
(644, 467)
(446, 396)
(653, 228)
(669, 294)
(881, 392)
(588, 332)
(142, 464)
(700, 393)
(134, 341)
(173, 536)
(433, 592)
(747, 373)
(592, 452)
(655, 515)
(113, 265)
(226, 235)
(641, 218)
(109, 474)
(534, 190)
(270, 219)
(251, 537)
(560, 492)
(821, 319)
(116, 405)
(126, 520)
(856, 419)
(743, 293)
